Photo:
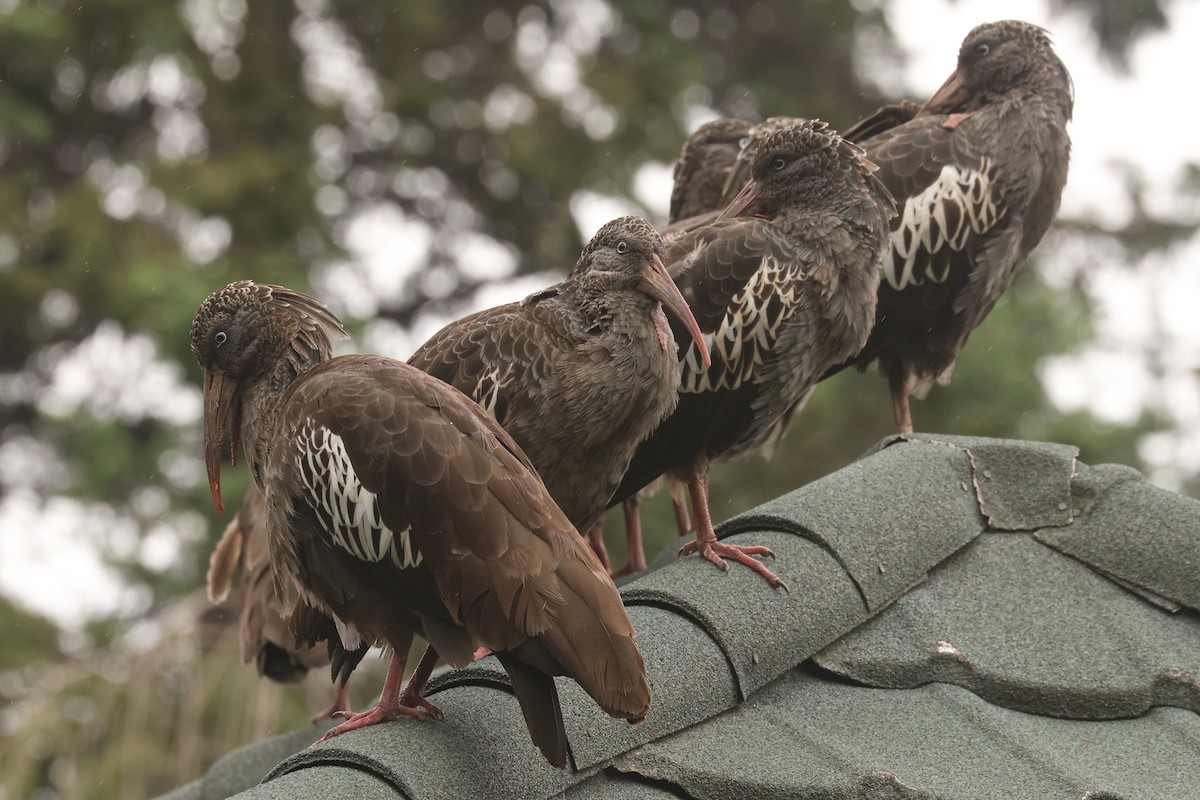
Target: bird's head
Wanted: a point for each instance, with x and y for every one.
(805, 160)
(627, 254)
(996, 58)
(240, 333)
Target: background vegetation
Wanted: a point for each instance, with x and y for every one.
(405, 162)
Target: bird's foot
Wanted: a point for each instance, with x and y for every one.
(410, 699)
(716, 552)
(482, 652)
(417, 708)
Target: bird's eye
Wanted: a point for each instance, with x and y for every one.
(745, 140)
(622, 247)
(778, 164)
(219, 337)
(982, 50)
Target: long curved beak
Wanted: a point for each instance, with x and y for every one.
(220, 399)
(738, 172)
(657, 283)
(743, 201)
(948, 99)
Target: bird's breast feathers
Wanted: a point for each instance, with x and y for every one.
(347, 512)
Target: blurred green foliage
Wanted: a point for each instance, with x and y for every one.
(152, 152)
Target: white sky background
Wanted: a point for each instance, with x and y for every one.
(1117, 117)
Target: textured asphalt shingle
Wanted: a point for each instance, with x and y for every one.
(677, 652)
(1136, 532)
(1021, 486)
(331, 781)
(887, 519)
(1062, 641)
(969, 618)
(481, 744)
(242, 769)
(189, 791)
(612, 785)
(762, 635)
(807, 736)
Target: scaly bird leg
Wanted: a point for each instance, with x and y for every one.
(635, 560)
(595, 538)
(901, 413)
(683, 522)
(706, 543)
(413, 695)
(390, 706)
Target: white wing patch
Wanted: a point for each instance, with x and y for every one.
(748, 330)
(960, 202)
(487, 390)
(348, 513)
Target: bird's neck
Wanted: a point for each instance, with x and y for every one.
(603, 309)
(1048, 90)
(262, 401)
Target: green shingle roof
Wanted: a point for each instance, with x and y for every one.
(969, 618)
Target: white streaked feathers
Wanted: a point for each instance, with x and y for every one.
(748, 330)
(487, 390)
(347, 512)
(959, 203)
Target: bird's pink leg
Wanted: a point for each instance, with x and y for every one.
(682, 521)
(706, 543)
(390, 701)
(413, 695)
(901, 413)
(636, 552)
(340, 707)
(595, 538)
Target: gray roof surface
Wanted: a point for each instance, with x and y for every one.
(970, 618)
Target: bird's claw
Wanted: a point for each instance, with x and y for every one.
(418, 708)
(716, 553)
(420, 704)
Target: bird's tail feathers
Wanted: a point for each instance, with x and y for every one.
(538, 697)
(594, 642)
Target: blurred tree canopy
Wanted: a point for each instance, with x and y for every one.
(395, 159)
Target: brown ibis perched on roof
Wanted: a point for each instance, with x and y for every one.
(266, 637)
(581, 372)
(713, 165)
(396, 507)
(978, 172)
(783, 284)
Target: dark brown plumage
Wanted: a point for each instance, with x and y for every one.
(739, 171)
(579, 373)
(397, 506)
(698, 183)
(783, 285)
(979, 173)
(713, 166)
(265, 636)
(881, 119)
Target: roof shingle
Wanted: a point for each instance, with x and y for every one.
(969, 618)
